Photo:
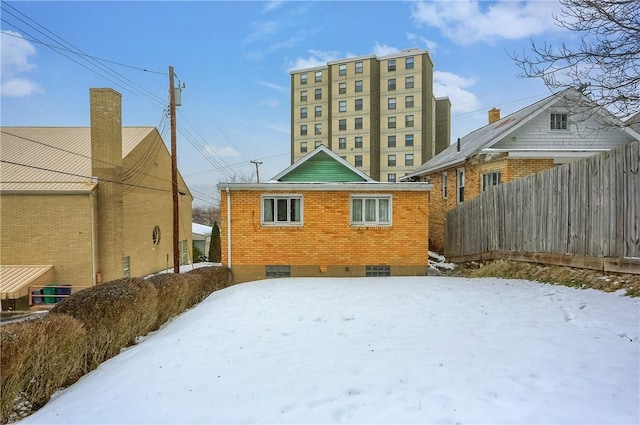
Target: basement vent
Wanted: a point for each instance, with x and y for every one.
(278, 271)
(377, 271)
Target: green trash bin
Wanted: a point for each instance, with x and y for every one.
(49, 293)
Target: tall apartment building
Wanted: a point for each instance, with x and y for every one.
(378, 113)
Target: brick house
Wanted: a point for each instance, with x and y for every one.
(323, 217)
(90, 204)
(560, 128)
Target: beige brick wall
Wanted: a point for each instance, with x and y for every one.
(326, 241)
(49, 230)
(511, 169)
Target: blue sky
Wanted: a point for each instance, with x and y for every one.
(235, 58)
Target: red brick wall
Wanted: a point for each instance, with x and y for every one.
(326, 237)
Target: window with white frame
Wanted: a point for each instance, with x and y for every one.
(391, 160)
(318, 110)
(491, 179)
(371, 210)
(444, 185)
(391, 65)
(318, 128)
(303, 95)
(358, 123)
(342, 69)
(408, 102)
(391, 84)
(408, 82)
(303, 78)
(282, 210)
(460, 181)
(318, 76)
(342, 106)
(558, 121)
(357, 160)
(408, 120)
(303, 112)
(318, 94)
(358, 85)
(358, 67)
(408, 139)
(358, 104)
(391, 103)
(391, 141)
(303, 130)
(303, 147)
(342, 143)
(342, 88)
(391, 122)
(358, 142)
(408, 159)
(391, 177)
(408, 63)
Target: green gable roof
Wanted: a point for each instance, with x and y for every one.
(322, 165)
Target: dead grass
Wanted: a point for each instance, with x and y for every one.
(555, 275)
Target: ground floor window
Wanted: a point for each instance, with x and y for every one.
(184, 252)
(491, 179)
(278, 271)
(282, 210)
(377, 271)
(371, 210)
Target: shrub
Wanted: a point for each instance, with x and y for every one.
(205, 280)
(114, 314)
(173, 296)
(215, 246)
(37, 358)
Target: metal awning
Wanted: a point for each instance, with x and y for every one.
(15, 280)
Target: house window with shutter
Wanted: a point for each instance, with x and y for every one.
(460, 195)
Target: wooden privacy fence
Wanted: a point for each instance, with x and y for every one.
(583, 214)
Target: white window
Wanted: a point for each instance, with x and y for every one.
(391, 177)
(358, 67)
(342, 69)
(303, 78)
(444, 185)
(460, 197)
(491, 179)
(318, 76)
(303, 147)
(282, 210)
(558, 122)
(371, 210)
(342, 106)
(342, 88)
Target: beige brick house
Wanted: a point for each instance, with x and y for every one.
(92, 204)
(555, 130)
(324, 217)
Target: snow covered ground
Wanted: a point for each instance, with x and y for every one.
(379, 350)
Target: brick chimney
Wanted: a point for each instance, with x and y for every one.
(106, 165)
(494, 115)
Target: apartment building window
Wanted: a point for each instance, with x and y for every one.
(303, 130)
(408, 159)
(391, 122)
(391, 160)
(359, 85)
(460, 180)
(408, 101)
(358, 105)
(358, 142)
(318, 111)
(342, 125)
(343, 157)
(318, 129)
(358, 123)
(408, 82)
(342, 69)
(357, 160)
(303, 112)
(391, 141)
(358, 67)
(318, 143)
(408, 139)
(303, 147)
(558, 121)
(444, 185)
(408, 63)
(303, 95)
(371, 210)
(342, 143)
(318, 94)
(491, 179)
(391, 84)
(342, 106)
(342, 88)
(282, 210)
(303, 78)
(391, 103)
(318, 76)
(391, 65)
(391, 177)
(408, 121)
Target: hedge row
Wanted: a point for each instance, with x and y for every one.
(40, 356)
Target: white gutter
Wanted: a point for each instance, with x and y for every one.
(228, 228)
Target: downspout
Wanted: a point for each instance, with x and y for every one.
(228, 228)
(93, 238)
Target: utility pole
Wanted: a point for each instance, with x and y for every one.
(174, 174)
(257, 163)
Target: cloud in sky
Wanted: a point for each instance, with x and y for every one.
(15, 55)
(315, 58)
(447, 84)
(272, 5)
(429, 44)
(276, 87)
(222, 152)
(471, 21)
(383, 50)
